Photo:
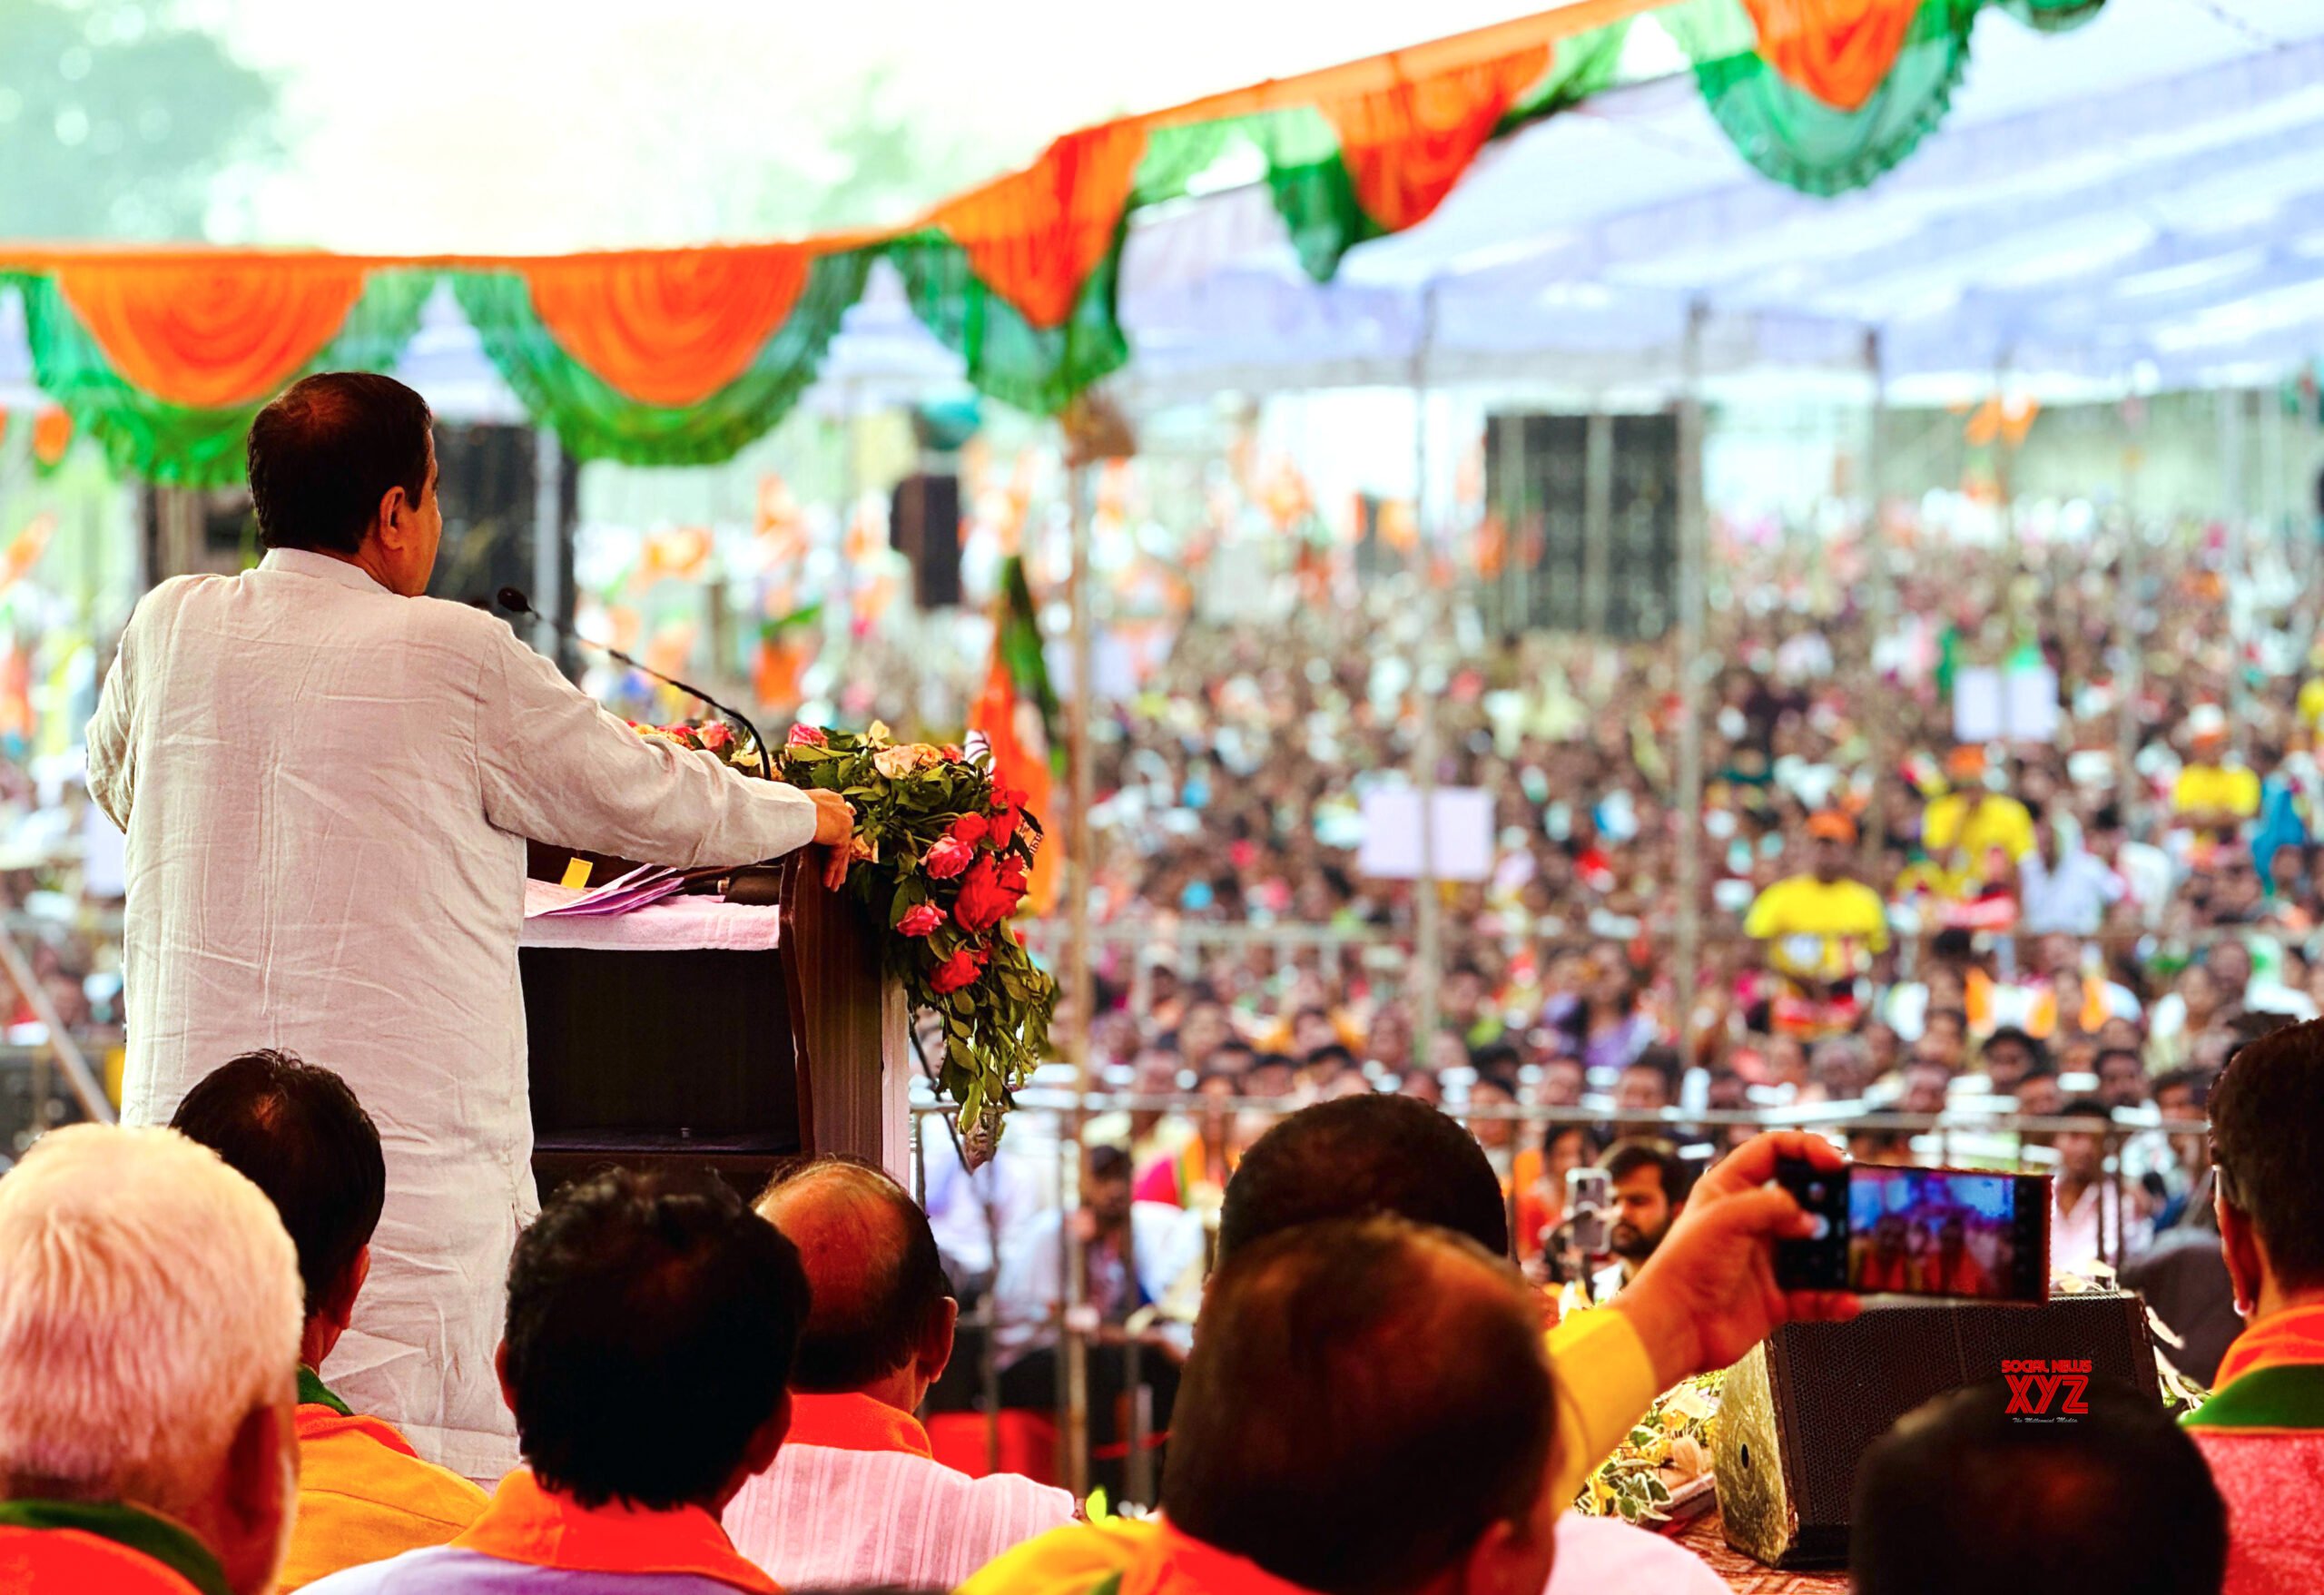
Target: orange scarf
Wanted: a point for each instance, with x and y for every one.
(2291, 1337)
(850, 1422)
(531, 1524)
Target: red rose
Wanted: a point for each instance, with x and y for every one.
(969, 829)
(948, 858)
(952, 753)
(1012, 875)
(986, 898)
(921, 921)
(805, 736)
(716, 735)
(1001, 827)
(960, 970)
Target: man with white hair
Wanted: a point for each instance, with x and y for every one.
(149, 1354)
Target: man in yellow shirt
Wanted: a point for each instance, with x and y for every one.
(1821, 931)
(1966, 826)
(2212, 794)
(297, 1133)
(1705, 1298)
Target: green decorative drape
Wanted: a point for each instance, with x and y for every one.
(1792, 137)
(1007, 356)
(594, 421)
(170, 444)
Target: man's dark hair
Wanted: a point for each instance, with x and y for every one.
(2196, 1079)
(297, 1133)
(1959, 1016)
(2085, 1107)
(1502, 1059)
(2267, 1112)
(652, 1318)
(1107, 1161)
(1664, 1061)
(1627, 1157)
(2037, 1055)
(1359, 1156)
(1367, 1398)
(1961, 1498)
(1334, 1053)
(867, 1318)
(2098, 1064)
(325, 452)
(2040, 1069)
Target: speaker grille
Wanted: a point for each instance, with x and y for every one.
(1840, 1386)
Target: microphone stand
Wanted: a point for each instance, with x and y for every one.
(515, 602)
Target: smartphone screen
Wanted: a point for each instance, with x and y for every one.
(1924, 1232)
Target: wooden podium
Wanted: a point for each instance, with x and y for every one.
(713, 1034)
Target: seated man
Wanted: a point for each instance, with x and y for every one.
(2262, 1430)
(1697, 1305)
(1961, 1498)
(651, 1323)
(149, 1347)
(298, 1135)
(856, 1497)
(1295, 1465)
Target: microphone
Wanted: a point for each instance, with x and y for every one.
(514, 601)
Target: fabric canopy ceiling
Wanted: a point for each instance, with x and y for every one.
(2140, 205)
(1340, 226)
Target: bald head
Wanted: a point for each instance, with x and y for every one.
(1368, 1403)
(879, 1298)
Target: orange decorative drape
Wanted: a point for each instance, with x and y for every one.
(1034, 236)
(1839, 51)
(669, 327)
(1405, 146)
(211, 334)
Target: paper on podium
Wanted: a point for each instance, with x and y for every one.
(671, 924)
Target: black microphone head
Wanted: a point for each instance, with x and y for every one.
(514, 601)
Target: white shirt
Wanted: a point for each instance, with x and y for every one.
(2074, 1233)
(822, 1518)
(326, 790)
(1599, 1555)
(2072, 898)
(1168, 1245)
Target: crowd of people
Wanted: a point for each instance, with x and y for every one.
(1894, 923)
(713, 1395)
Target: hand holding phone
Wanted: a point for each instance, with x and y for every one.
(1883, 1228)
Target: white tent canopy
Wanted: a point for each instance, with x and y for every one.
(2136, 204)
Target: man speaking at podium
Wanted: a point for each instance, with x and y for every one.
(328, 780)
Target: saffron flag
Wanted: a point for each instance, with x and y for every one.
(1016, 714)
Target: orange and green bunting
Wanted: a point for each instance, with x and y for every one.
(682, 356)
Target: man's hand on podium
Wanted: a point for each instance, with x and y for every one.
(834, 828)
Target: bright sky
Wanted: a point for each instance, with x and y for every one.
(520, 125)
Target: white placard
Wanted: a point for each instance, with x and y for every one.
(2017, 705)
(1391, 850)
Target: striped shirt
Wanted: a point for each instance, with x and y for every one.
(856, 1498)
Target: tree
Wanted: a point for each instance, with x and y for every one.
(115, 126)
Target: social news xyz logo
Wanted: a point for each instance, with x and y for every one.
(2046, 1391)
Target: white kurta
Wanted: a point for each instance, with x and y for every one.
(326, 790)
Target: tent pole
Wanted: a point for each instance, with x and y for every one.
(548, 544)
(1693, 534)
(2126, 621)
(1080, 986)
(1597, 523)
(1881, 581)
(2234, 510)
(1428, 908)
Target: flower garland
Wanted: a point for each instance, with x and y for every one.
(941, 855)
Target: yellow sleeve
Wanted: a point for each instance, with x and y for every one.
(1075, 1560)
(2244, 787)
(1605, 1383)
(2185, 794)
(1875, 938)
(2021, 832)
(1763, 923)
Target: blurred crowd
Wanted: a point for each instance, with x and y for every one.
(1891, 917)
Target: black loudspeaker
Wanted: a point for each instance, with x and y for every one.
(1798, 1413)
(924, 525)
